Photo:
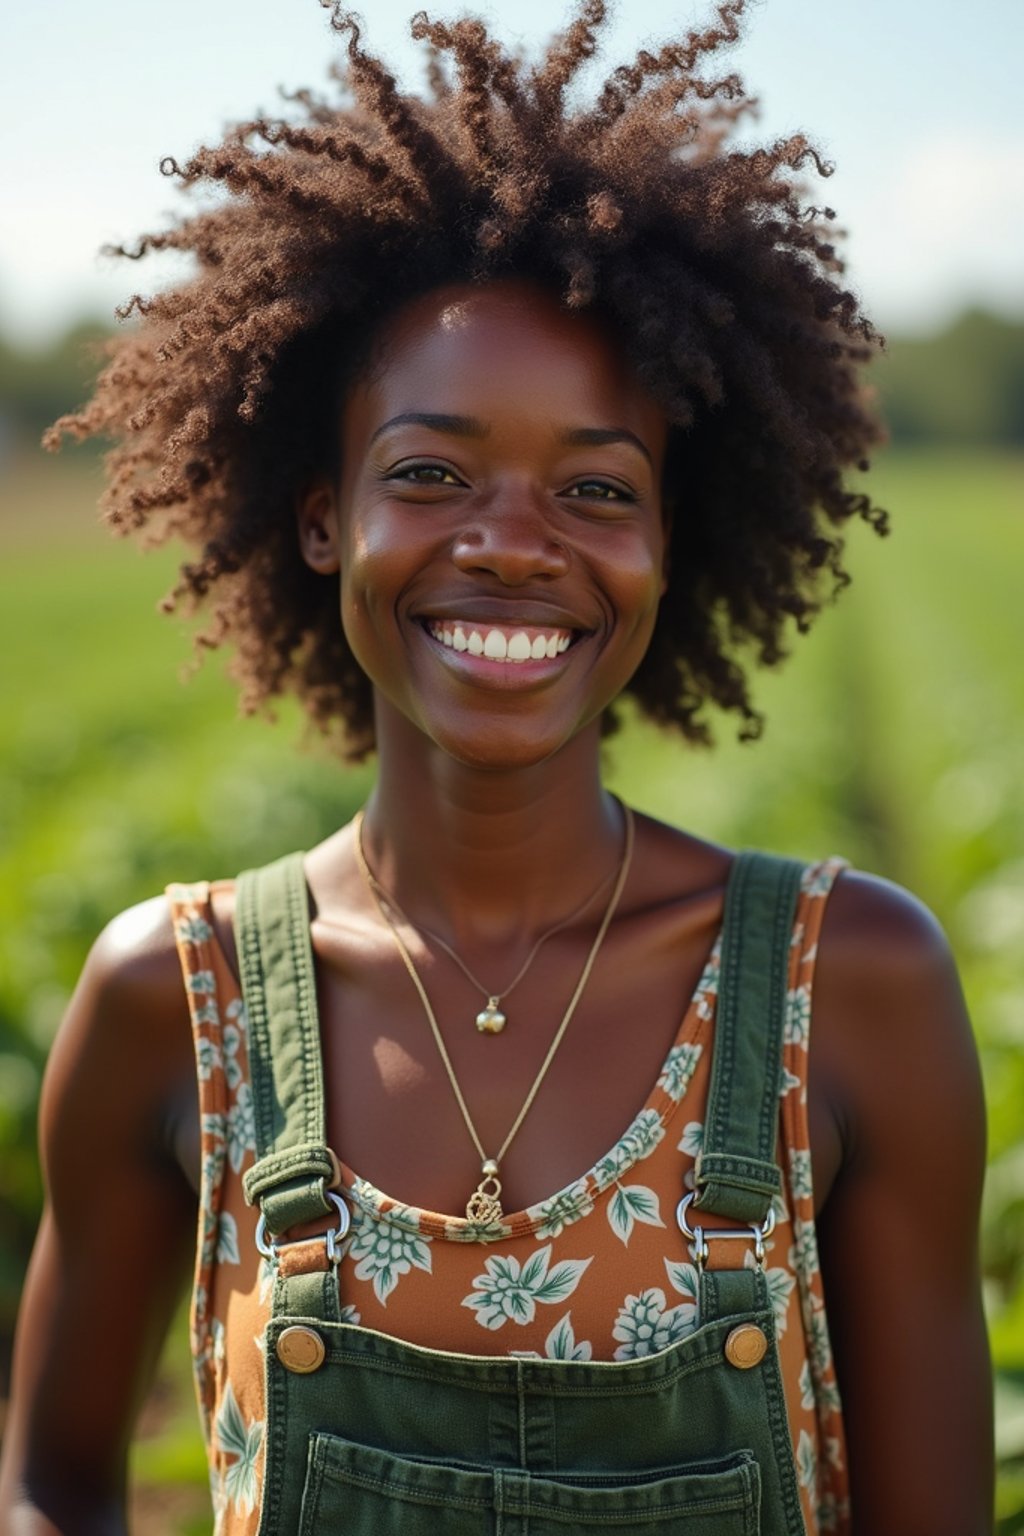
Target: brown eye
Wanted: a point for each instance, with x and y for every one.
(598, 490)
(426, 474)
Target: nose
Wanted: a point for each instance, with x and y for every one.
(510, 538)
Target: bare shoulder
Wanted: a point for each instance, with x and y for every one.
(124, 1047)
(892, 1045)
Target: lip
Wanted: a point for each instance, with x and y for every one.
(503, 613)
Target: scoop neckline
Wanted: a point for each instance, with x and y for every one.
(577, 1198)
(574, 1199)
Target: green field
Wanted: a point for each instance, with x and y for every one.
(894, 738)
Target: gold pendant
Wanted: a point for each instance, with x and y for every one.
(484, 1204)
(491, 1020)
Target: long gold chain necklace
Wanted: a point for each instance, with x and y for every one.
(484, 1204)
(492, 1018)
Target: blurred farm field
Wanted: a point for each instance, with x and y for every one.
(894, 737)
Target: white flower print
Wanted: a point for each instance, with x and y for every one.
(242, 1441)
(803, 1256)
(507, 1292)
(193, 930)
(632, 1203)
(561, 1344)
(350, 1314)
(679, 1069)
(385, 1252)
(800, 1173)
(569, 1205)
(206, 1013)
(780, 1287)
(645, 1326)
(636, 1143)
(207, 1057)
(234, 1036)
(241, 1127)
(798, 1016)
(201, 981)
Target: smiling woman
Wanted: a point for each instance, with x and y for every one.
(482, 411)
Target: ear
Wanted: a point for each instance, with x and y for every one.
(317, 516)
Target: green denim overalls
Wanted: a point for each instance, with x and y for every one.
(369, 1436)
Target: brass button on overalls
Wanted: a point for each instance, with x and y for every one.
(745, 1347)
(300, 1350)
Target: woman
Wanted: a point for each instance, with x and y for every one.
(483, 411)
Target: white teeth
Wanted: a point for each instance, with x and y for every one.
(497, 644)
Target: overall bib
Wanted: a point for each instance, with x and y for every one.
(370, 1436)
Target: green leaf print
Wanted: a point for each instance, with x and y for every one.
(684, 1278)
(507, 1292)
(227, 1239)
(561, 1344)
(242, 1441)
(692, 1140)
(385, 1252)
(806, 1461)
(645, 1326)
(629, 1204)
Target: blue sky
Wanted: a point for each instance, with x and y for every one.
(918, 102)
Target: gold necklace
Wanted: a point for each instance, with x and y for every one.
(484, 1204)
(492, 1018)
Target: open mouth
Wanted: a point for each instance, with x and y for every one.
(501, 642)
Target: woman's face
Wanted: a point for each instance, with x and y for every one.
(498, 522)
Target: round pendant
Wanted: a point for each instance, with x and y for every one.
(491, 1020)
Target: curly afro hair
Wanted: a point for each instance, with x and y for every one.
(222, 400)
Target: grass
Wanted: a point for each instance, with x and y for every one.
(894, 738)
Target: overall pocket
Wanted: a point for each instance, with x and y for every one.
(362, 1491)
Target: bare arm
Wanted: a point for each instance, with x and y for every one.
(115, 1241)
(898, 1233)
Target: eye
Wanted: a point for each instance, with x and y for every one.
(425, 474)
(598, 490)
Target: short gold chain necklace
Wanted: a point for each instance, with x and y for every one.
(492, 1018)
(484, 1204)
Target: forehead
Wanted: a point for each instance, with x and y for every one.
(503, 349)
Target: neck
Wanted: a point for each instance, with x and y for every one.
(490, 857)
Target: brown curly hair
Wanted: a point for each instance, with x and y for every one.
(223, 399)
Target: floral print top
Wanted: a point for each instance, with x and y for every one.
(600, 1271)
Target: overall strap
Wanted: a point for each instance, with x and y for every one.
(737, 1175)
(294, 1167)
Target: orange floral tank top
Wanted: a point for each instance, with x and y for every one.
(599, 1271)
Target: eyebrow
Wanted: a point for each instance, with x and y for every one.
(455, 426)
(472, 426)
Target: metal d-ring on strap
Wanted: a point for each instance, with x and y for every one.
(271, 1250)
(698, 1236)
